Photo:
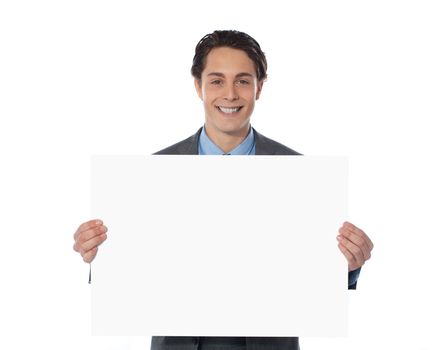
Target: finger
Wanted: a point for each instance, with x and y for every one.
(348, 227)
(348, 255)
(359, 232)
(356, 239)
(88, 235)
(353, 249)
(90, 255)
(91, 233)
(87, 225)
(92, 243)
(351, 261)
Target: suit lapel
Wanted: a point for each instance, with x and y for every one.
(262, 146)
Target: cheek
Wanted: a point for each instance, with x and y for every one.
(250, 94)
(208, 95)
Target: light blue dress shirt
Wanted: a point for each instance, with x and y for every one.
(208, 147)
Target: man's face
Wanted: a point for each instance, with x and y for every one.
(229, 89)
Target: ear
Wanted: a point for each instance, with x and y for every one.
(198, 87)
(260, 84)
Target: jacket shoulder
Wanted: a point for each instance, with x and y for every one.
(267, 146)
(187, 146)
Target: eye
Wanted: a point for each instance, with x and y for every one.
(216, 82)
(243, 82)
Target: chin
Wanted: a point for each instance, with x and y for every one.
(228, 126)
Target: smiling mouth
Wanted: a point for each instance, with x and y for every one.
(229, 110)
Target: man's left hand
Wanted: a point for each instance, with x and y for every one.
(355, 245)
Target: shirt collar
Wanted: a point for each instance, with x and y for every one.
(208, 147)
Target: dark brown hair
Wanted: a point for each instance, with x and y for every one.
(233, 39)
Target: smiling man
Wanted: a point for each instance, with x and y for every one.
(229, 70)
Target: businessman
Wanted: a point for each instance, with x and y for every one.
(229, 70)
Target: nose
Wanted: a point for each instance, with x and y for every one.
(231, 93)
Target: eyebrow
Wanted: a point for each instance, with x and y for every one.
(243, 74)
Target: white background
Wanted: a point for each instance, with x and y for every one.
(363, 79)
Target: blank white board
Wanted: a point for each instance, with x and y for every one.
(219, 246)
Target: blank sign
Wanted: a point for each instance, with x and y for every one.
(220, 246)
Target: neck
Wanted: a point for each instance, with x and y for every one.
(227, 141)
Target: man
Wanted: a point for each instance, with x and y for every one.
(229, 70)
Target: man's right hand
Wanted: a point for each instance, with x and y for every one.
(88, 237)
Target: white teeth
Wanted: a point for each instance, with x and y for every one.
(229, 110)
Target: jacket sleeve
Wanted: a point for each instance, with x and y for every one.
(353, 278)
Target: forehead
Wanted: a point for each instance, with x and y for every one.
(227, 60)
